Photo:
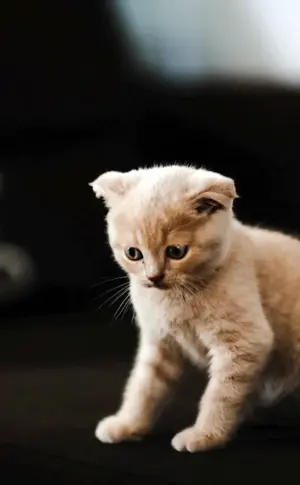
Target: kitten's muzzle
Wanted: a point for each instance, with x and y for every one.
(156, 279)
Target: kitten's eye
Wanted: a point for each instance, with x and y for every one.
(176, 252)
(133, 254)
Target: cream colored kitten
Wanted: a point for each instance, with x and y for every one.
(204, 287)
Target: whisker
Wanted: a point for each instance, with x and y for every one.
(114, 277)
(107, 280)
(182, 294)
(119, 309)
(113, 298)
(123, 306)
(190, 289)
(119, 296)
(126, 308)
(198, 282)
(122, 285)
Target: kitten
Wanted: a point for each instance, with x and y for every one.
(204, 287)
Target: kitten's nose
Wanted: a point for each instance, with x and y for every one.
(156, 278)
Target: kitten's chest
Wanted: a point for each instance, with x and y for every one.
(163, 308)
(174, 320)
(189, 340)
(160, 314)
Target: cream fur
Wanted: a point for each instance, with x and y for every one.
(231, 305)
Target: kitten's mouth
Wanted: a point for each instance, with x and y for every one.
(158, 286)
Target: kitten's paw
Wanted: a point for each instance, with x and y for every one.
(115, 429)
(192, 440)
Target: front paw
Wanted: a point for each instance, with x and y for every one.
(115, 429)
(192, 440)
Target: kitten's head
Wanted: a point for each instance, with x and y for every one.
(167, 226)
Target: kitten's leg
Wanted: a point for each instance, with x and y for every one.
(157, 366)
(235, 368)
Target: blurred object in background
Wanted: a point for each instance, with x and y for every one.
(256, 40)
(17, 274)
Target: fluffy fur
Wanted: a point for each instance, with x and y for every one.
(230, 305)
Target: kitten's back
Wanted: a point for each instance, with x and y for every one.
(277, 261)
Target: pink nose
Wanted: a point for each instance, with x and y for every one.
(156, 278)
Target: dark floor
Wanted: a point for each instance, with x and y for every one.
(60, 374)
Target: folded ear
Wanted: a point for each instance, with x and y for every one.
(218, 194)
(112, 186)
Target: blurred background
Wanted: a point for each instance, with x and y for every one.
(115, 84)
(96, 85)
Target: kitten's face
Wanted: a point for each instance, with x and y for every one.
(168, 226)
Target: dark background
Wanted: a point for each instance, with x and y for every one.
(73, 105)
